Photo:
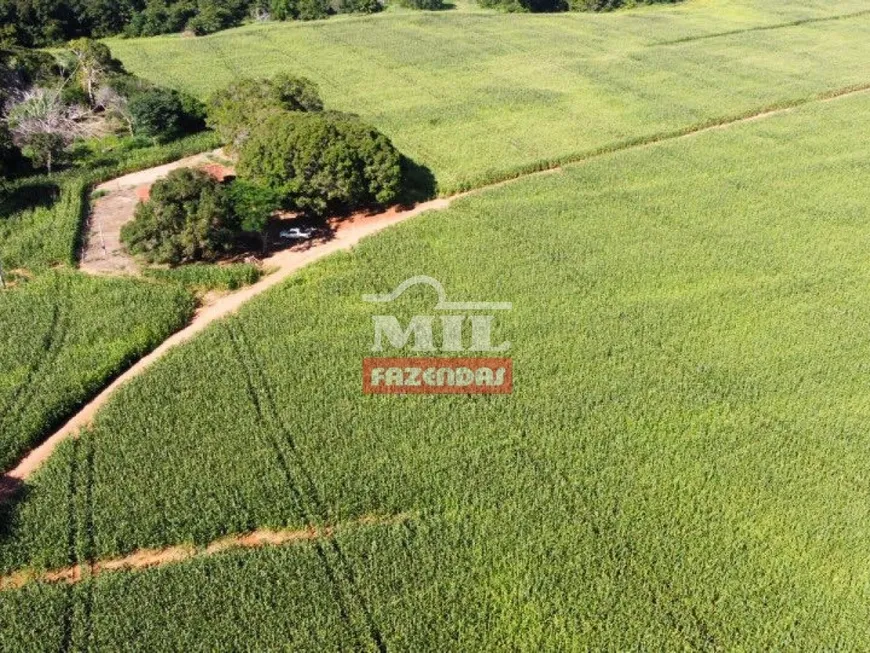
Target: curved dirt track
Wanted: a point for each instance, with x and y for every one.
(347, 234)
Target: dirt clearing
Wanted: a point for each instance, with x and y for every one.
(102, 252)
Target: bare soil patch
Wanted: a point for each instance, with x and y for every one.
(102, 251)
(148, 558)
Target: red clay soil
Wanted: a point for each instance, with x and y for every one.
(103, 252)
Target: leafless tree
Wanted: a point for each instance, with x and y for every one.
(114, 104)
(40, 122)
(93, 61)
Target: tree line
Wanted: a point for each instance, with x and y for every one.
(38, 23)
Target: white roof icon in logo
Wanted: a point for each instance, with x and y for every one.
(443, 304)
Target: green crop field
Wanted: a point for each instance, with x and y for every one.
(63, 335)
(682, 464)
(478, 96)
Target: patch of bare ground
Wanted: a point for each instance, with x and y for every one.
(150, 558)
(114, 205)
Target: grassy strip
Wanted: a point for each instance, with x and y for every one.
(202, 277)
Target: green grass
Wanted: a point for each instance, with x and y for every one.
(478, 96)
(202, 277)
(682, 463)
(63, 336)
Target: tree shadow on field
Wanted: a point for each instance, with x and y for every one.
(418, 183)
(41, 194)
(284, 229)
(13, 493)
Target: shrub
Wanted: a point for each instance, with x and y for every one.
(298, 9)
(187, 218)
(540, 6)
(158, 114)
(165, 115)
(9, 154)
(359, 6)
(233, 111)
(214, 15)
(322, 162)
(429, 5)
(253, 206)
(533, 6)
(312, 9)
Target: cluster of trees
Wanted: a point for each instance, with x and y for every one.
(48, 102)
(322, 163)
(292, 155)
(49, 22)
(246, 103)
(541, 6)
(188, 217)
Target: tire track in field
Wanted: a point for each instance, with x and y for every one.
(340, 574)
(221, 56)
(274, 48)
(241, 352)
(77, 625)
(87, 542)
(72, 530)
(760, 28)
(51, 346)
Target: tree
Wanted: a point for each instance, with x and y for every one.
(158, 113)
(44, 148)
(187, 218)
(322, 162)
(253, 207)
(93, 63)
(42, 125)
(236, 109)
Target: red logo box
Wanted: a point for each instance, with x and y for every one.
(418, 375)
